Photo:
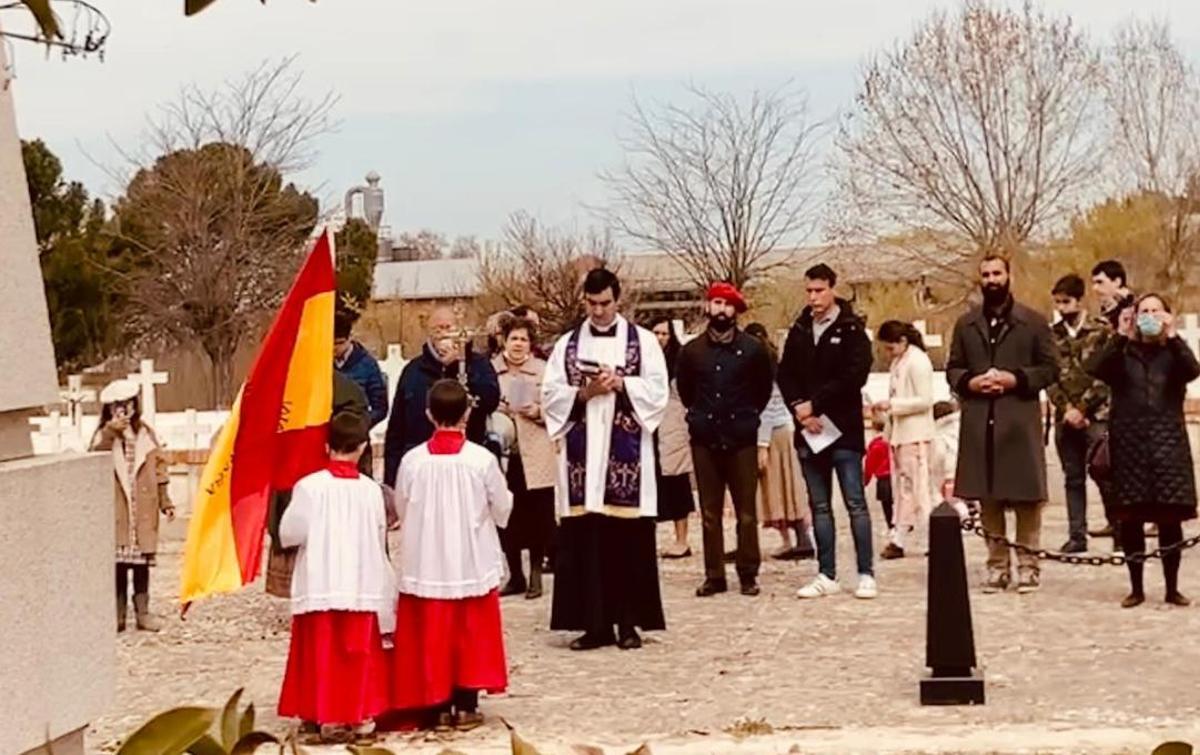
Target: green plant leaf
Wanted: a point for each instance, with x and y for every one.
(251, 742)
(206, 745)
(46, 20)
(170, 733)
(247, 724)
(229, 720)
(192, 7)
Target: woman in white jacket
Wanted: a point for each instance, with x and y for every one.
(910, 429)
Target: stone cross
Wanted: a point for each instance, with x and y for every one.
(198, 434)
(63, 435)
(147, 378)
(75, 395)
(393, 366)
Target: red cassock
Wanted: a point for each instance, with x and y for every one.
(337, 670)
(443, 645)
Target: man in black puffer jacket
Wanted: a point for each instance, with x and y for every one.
(725, 379)
(824, 367)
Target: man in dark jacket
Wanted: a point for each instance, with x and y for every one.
(440, 358)
(353, 360)
(1001, 358)
(725, 379)
(1080, 400)
(825, 364)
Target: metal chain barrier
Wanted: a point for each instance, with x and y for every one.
(972, 525)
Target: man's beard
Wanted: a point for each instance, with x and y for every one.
(994, 295)
(721, 323)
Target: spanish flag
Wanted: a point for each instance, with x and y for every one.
(275, 435)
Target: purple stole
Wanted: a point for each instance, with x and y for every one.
(623, 482)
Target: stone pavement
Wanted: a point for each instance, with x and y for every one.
(1067, 669)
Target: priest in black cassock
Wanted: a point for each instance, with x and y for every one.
(604, 393)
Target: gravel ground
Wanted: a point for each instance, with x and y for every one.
(1067, 669)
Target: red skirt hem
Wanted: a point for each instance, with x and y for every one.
(337, 669)
(444, 645)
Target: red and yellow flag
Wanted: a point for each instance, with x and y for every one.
(274, 436)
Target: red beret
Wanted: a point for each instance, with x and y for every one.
(729, 293)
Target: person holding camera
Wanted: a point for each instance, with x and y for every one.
(1148, 367)
(140, 489)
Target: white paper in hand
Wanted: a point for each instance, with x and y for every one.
(829, 434)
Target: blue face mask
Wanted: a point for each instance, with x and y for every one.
(1149, 325)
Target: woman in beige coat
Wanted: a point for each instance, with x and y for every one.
(532, 464)
(910, 429)
(675, 499)
(140, 495)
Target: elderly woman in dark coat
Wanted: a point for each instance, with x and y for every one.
(1149, 367)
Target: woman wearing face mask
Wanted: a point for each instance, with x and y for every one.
(675, 499)
(531, 461)
(910, 429)
(1148, 367)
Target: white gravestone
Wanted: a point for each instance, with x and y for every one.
(75, 395)
(393, 366)
(59, 435)
(147, 379)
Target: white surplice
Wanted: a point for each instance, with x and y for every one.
(340, 527)
(450, 506)
(648, 392)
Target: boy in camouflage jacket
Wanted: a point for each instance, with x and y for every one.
(1080, 401)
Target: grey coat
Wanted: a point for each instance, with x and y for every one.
(1001, 456)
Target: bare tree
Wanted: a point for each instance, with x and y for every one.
(979, 128)
(1153, 97)
(718, 183)
(216, 231)
(542, 268)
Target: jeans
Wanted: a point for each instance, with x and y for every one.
(737, 472)
(818, 475)
(1073, 445)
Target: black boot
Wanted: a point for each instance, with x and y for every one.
(516, 576)
(122, 612)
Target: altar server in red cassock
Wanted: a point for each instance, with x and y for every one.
(343, 593)
(450, 496)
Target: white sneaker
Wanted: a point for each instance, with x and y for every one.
(820, 587)
(867, 589)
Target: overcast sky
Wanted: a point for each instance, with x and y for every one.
(471, 109)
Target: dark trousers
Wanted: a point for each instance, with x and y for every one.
(1073, 445)
(1133, 540)
(141, 580)
(737, 472)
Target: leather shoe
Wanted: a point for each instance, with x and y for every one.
(1073, 547)
(591, 641)
(711, 587)
(513, 587)
(750, 588)
(629, 639)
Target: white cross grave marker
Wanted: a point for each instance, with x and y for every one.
(62, 435)
(198, 435)
(147, 378)
(75, 395)
(393, 366)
